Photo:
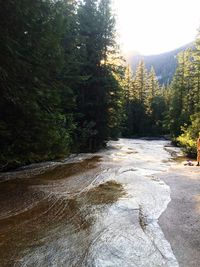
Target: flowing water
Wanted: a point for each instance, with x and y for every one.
(97, 210)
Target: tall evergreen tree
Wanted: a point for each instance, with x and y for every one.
(31, 127)
(179, 90)
(152, 89)
(141, 81)
(129, 98)
(98, 92)
(195, 96)
(185, 101)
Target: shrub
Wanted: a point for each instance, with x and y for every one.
(190, 134)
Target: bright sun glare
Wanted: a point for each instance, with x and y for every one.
(156, 26)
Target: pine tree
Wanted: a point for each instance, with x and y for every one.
(184, 91)
(129, 97)
(32, 122)
(152, 89)
(141, 82)
(99, 93)
(178, 91)
(196, 75)
(128, 84)
(190, 126)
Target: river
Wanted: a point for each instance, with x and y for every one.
(92, 210)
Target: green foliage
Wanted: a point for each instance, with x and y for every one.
(188, 139)
(98, 95)
(145, 103)
(185, 88)
(64, 86)
(59, 88)
(32, 121)
(182, 118)
(165, 64)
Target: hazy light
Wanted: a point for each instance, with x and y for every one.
(156, 26)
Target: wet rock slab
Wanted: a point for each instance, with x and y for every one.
(100, 211)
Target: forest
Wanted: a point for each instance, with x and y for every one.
(165, 64)
(66, 88)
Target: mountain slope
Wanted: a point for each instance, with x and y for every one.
(164, 64)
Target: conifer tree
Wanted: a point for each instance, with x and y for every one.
(178, 91)
(31, 120)
(153, 85)
(128, 84)
(98, 94)
(189, 125)
(141, 81)
(196, 74)
(152, 89)
(129, 98)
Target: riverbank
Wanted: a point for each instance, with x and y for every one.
(181, 220)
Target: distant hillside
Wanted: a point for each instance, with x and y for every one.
(164, 64)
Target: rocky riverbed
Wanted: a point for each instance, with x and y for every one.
(91, 210)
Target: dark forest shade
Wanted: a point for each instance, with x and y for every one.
(65, 88)
(56, 95)
(145, 103)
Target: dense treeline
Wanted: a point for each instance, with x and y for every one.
(183, 116)
(165, 64)
(145, 103)
(174, 110)
(65, 88)
(60, 89)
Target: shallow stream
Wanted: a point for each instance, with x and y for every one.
(94, 210)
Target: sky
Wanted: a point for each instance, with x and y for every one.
(156, 26)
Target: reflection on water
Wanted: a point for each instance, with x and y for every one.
(89, 213)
